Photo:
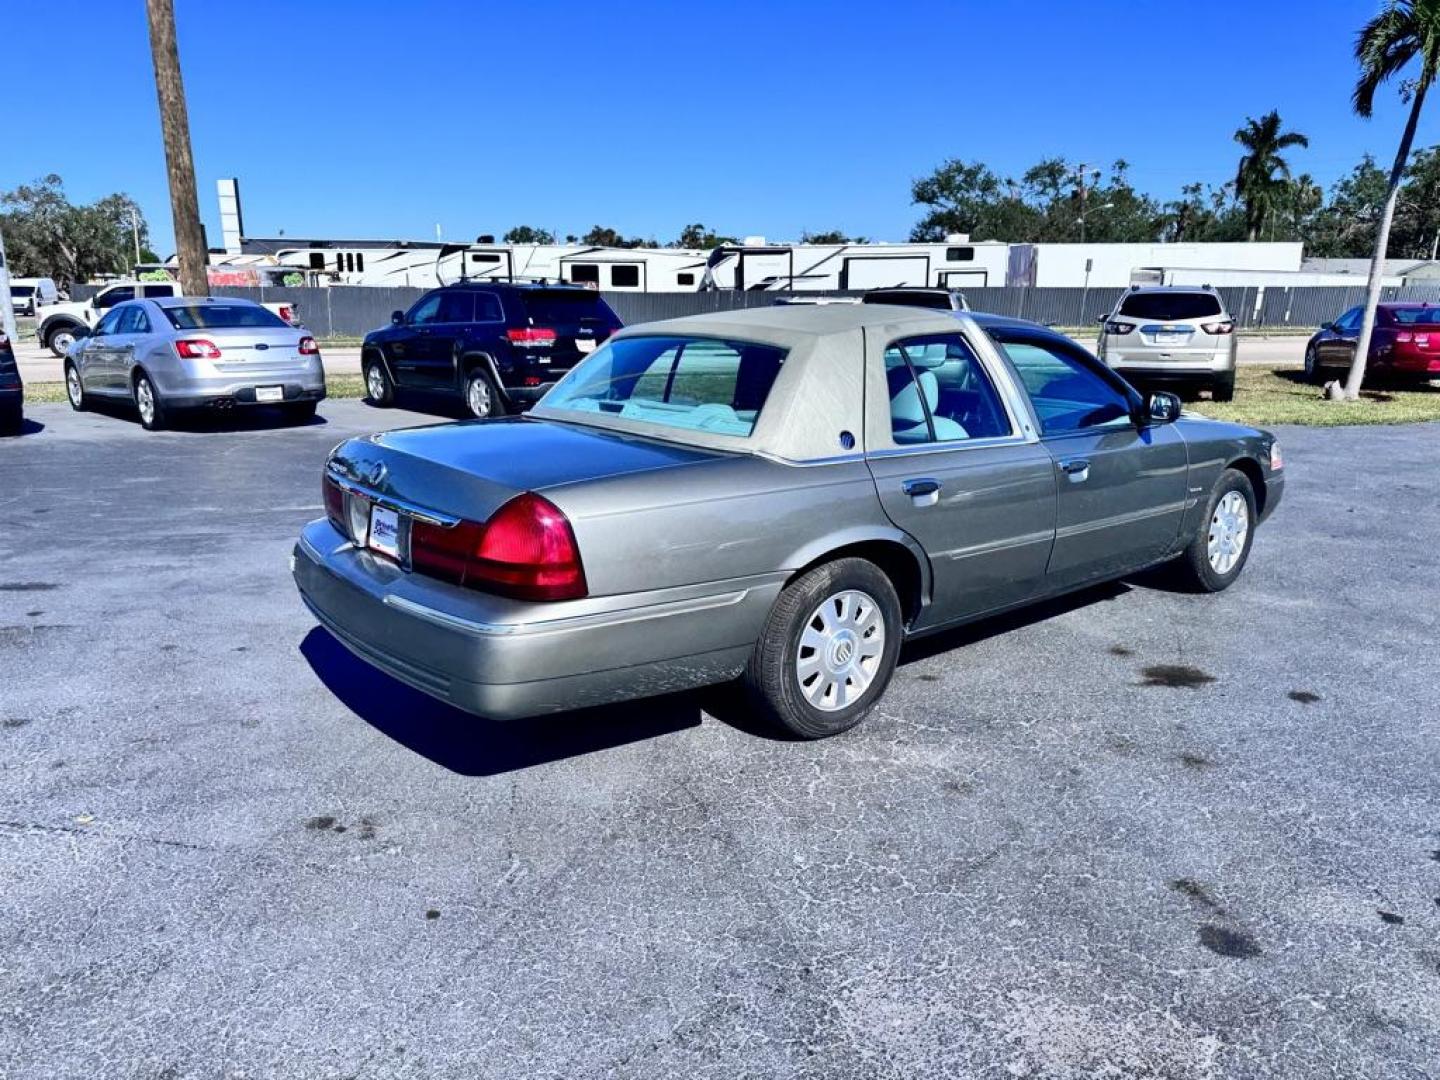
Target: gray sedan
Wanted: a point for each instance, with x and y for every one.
(782, 495)
(172, 353)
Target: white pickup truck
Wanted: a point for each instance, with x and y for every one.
(60, 321)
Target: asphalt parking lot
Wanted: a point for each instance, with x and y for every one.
(1135, 834)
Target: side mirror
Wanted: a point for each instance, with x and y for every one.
(82, 332)
(1162, 407)
(397, 318)
(1327, 326)
(1101, 319)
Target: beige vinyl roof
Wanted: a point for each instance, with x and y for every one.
(781, 323)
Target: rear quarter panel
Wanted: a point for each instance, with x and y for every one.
(726, 518)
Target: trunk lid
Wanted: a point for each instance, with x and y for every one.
(470, 469)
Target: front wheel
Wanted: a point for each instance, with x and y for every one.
(1217, 553)
(148, 404)
(481, 396)
(1314, 374)
(75, 389)
(379, 389)
(828, 649)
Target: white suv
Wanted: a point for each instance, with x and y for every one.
(1171, 334)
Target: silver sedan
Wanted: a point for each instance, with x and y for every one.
(171, 353)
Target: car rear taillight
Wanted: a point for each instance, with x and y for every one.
(308, 347)
(1225, 326)
(531, 337)
(1114, 327)
(334, 504)
(196, 349)
(526, 550)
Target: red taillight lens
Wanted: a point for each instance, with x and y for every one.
(526, 550)
(197, 349)
(308, 347)
(1223, 327)
(1119, 327)
(529, 337)
(334, 503)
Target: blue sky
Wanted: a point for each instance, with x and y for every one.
(383, 119)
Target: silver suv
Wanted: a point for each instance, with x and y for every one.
(1171, 334)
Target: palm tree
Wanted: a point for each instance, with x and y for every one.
(1262, 180)
(1406, 30)
(1263, 173)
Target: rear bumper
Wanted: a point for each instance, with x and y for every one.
(506, 659)
(245, 395)
(1174, 373)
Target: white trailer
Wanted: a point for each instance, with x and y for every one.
(754, 265)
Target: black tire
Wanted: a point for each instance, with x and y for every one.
(54, 332)
(772, 678)
(379, 387)
(12, 420)
(480, 387)
(300, 412)
(1314, 373)
(152, 413)
(1224, 390)
(75, 389)
(1193, 569)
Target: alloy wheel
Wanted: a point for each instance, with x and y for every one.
(1229, 527)
(73, 388)
(840, 650)
(479, 398)
(375, 382)
(145, 400)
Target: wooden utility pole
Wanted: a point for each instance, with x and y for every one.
(179, 164)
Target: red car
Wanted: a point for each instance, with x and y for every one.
(1406, 343)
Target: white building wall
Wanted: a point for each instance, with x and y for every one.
(1064, 264)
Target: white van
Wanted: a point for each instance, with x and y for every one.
(29, 293)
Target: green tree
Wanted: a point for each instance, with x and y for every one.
(698, 236)
(600, 236)
(528, 234)
(48, 236)
(1263, 174)
(1405, 32)
(1345, 227)
(1417, 213)
(834, 236)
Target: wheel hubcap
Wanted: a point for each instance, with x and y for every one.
(1229, 526)
(479, 397)
(840, 650)
(375, 382)
(72, 385)
(145, 400)
(63, 339)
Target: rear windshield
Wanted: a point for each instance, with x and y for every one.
(568, 306)
(697, 384)
(1168, 306)
(1414, 316)
(909, 299)
(222, 317)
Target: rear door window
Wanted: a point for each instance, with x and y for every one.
(940, 392)
(1170, 306)
(133, 320)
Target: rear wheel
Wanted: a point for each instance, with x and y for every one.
(482, 397)
(828, 649)
(1224, 390)
(74, 389)
(379, 390)
(148, 404)
(1217, 553)
(300, 412)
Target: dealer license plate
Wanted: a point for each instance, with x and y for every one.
(385, 531)
(269, 393)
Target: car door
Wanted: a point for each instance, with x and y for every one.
(436, 365)
(1121, 488)
(94, 356)
(408, 348)
(955, 467)
(1336, 347)
(127, 343)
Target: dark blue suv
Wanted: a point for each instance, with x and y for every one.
(500, 346)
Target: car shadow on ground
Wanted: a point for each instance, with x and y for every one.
(472, 745)
(27, 427)
(442, 406)
(209, 421)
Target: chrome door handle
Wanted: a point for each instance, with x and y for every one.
(923, 490)
(1077, 469)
